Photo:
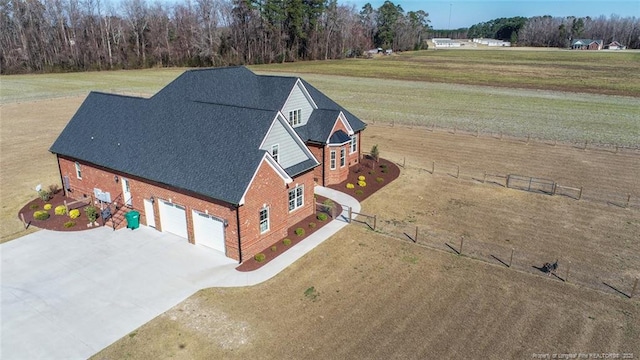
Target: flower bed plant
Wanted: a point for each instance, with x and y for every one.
(41, 215)
(47, 206)
(60, 210)
(69, 224)
(350, 186)
(74, 214)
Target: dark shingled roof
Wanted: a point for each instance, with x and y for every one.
(339, 137)
(200, 133)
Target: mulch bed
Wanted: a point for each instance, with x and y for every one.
(54, 222)
(369, 168)
(251, 264)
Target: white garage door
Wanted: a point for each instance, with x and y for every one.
(208, 231)
(173, 218)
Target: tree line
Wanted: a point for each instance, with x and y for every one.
(76, 35)
(548, 31)
(80, 35)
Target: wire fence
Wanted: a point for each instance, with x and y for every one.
(580, 273)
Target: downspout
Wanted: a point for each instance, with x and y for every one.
(238, 224)
(324, 162)
(61, 178)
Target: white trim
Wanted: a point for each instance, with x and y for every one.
(277, 147)
(332, 166)
(275, 166)
(260, 220)
(78, 167)
(351, 151)
(346, 125)
(295, 197)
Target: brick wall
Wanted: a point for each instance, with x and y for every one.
(267, 188)
(339, 174)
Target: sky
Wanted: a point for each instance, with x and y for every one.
(457, 14)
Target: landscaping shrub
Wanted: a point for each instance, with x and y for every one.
(92, 213)
(44, 195)
(47, 206)
(274, 248)
(54, 188)
(312, 225)
(69, 224)
(34, 206)
(361, 178)
(41, 215)
(372, 172)
(286, 242)
(300, 231)
(380, 180)
(385, 170)
(322, 217)
(384, 166)
(350, 186)
(74, 214)
(359, 192)
(362, 183)
(260, 257)
(60, 210)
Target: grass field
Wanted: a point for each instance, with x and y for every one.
(614, 73)
(365, 294)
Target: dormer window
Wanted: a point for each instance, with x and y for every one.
(295, 117)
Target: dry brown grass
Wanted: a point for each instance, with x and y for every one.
(377, 297)
(381, 296)
(28, 130)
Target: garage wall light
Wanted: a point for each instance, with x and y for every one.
(115, 178)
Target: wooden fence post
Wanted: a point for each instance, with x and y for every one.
(511, 258)
(580, 194)
(393, 122)
(484, 179)
(415, 239)
(433, 127)
(566, 276)
(374, 222)
(585, 144)
(528, 138)
(478, 132)
(404, 162)
(508, 178)
(628, 200)
(616, 149)
(500, 135)
(23, 221)
(555, 186)
(455, 128)
(635, 286)
(349, 215)
(461, 243)
(458, 173)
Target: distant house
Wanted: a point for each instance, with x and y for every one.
(221, 157)
(492, 42)
(445, 43)
(587, 44)
(615, 46)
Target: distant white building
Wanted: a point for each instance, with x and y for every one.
(445, 43)
(492, 42)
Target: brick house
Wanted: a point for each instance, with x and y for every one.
(222, 157)
(586, 44)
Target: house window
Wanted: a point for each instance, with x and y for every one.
(78, 171)
(295, 117)
(264, 220)
(275, 152)
(342, 152)
(354, 143)
(332, 161)
(296, 197)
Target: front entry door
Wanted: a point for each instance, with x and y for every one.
(126, 191)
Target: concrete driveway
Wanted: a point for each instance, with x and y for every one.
(69, 295)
